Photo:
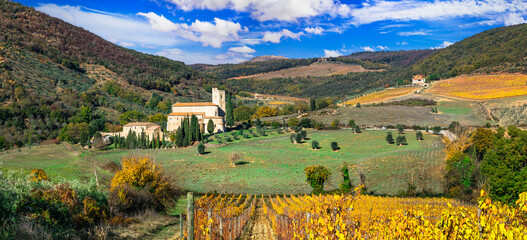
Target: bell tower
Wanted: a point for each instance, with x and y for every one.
(218, 98)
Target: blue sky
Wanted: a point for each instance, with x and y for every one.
(231, 31)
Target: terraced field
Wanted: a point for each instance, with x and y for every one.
(382, 96)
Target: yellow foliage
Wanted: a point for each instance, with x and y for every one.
(140, 172)
(38, 175)
(265, 111)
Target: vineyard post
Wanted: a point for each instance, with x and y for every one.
(180, 225)
(230, 229)
(308, 219)
(479, 222)
(209, 217)
(221, 228)
(190, 215)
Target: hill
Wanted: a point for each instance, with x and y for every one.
(265, 58)
(50, 70)
(497, 50)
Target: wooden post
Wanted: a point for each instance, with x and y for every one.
(308, 219)
(180, 225)
(190, 215)
(221, 228)
(209, 215)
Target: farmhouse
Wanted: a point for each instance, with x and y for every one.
(151, 130)
(418, 80)
(204, 111)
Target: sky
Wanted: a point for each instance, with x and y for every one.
(232, 31)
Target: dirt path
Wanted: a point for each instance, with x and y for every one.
(258, 227)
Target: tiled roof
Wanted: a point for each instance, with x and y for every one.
(185, 113)
(140, 124)
(195, 104)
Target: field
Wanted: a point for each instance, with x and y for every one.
(313, 70)
(481, 87)
(381, 96)
(269, 164)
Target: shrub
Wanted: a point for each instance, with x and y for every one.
(275, 124)
(389, 138)
(303, 134)
(419, 135)
(400, 128)
(228, 139)
(357, 105)
(400, 140)
(335, 123)
(38, 175)
(201, 148)
(234, 157)
(292, 138)
(141, 175)
(351, 124)
(315, 145)
(316, 176)
(334, 146)
(346, 185)
(437, 129)
(245, 135)
(298, 138)
(357, 129)
(129, 200)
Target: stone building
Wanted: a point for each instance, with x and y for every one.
(204, 111)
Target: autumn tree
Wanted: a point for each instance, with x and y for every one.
(316, 176)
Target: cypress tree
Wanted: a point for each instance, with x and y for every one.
(229, 118)
(312, 104)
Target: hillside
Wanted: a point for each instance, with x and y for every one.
(50, 70)
(265, 58)
(497, 50)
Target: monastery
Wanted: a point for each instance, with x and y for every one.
(204, 111)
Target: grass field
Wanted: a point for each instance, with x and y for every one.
(268, 165)
(381, 96)
(482, 87)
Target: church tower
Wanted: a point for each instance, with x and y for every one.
(218, 97)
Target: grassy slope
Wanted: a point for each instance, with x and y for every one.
(272, 163)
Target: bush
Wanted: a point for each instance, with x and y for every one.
(298, 138)
(201, 148)
(389, 138)
(335, 123)
(357, 129)
(303, 134)
(316, 176)
(315, 145)
(38, 175)
(357, 105)
(334, 146)
(130, 200)
(419, 135)
(401, 140)
(351, 124)
(141, 175)
(437, 129)
(292, 138)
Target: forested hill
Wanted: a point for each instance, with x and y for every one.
(497, 50)
(53, 74)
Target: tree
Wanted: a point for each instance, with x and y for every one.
(298, 138)
(400, 140)
(346, 185)
(351, 124)
(305, 123)
(164, 106)
(265, 111)
(334, 146)
(400, 128)
(483, 139)
(389, 138)
(358, 105)
(312, 104)
(154, 101)
(158, 117)
(419, 135)
(316, 176)
(293, 122)
(98, 142)
(436, 129)
(303, 134)
(357, 129)
(234, 157)
(335, 123)
(180, 137)
(210, 126)
(201, 148)
(3, 144)
(229, 117)
(243, 113)
(315, 145)
(131, 116)
(258, 123)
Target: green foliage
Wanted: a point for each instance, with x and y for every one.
(351, 124)
(154, 101)
(334, 146)
(201, 148)
(316, 176)
(315, 145)
(399, 128)
(419, 135)
(401, 140)
(389, 138)
(335, 123)
(357, 105)
(357, 129)
(210, 126)
(436, 129)
(158, 117)
(346, 185)
(243, 113)
(229, 116)
(293, 122)
(131, 116)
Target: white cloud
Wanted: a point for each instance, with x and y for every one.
(316, 30)
(243, 49)
(415, 33)
(443, 45)
(198, 57)
(405, 10)
(395, 26)
(209, 34)
(265, 10)
(513, 19)
(383, 47)
(404, 43)
(275, 37)
(121, 29)
(368, 49)
(332, 53)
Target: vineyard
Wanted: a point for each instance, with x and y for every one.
(381, 96)
(361, 216)
(482, 87)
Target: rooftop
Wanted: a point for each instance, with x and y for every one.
(196, 104)
(186, 113)
(140, 124)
